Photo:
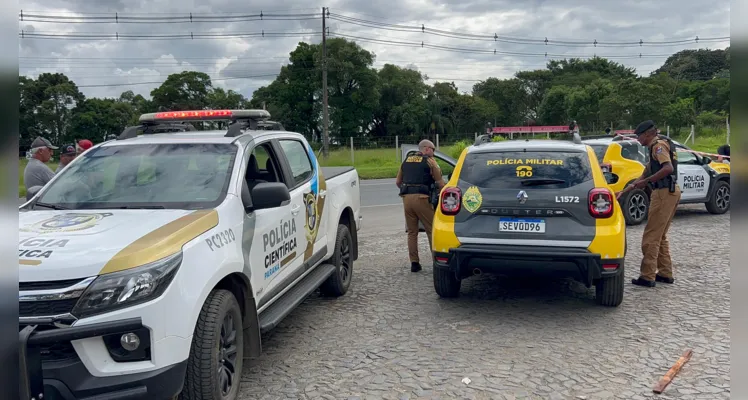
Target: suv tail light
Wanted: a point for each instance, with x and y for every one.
(601, 203)
(450, 203)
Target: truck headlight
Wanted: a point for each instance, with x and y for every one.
(126, 288)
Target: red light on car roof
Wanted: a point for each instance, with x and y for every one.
(193, 114)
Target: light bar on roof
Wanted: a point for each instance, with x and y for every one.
(204, 115)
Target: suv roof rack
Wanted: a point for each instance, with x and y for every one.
(175, 120)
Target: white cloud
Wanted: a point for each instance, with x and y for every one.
(121, 62)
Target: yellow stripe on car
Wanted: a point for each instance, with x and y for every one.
(163, 241)
(443, 234)
(610, 237)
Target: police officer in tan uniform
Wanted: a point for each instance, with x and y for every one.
(415, 177)
(660, 174)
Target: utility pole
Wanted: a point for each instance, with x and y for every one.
(325, 115)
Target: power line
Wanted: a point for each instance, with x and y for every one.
(486, 51)
(132, 36)
(151, 18)
(517, 40)
(119, 18)
(162, 81)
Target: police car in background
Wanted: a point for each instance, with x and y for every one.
(701, 179)
(529, 207)
(150, 266)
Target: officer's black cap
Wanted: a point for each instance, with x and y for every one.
(643, 127)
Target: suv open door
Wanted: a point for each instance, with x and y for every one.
(410, 149)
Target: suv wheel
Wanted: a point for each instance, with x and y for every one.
(446, 283)
(635, 205)
(609, 291)
(720, 201)
(337, 284)
(214, 367)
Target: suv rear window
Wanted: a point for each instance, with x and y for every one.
(522, 170)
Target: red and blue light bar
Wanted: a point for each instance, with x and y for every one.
(203, 115)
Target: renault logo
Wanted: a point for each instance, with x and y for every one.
(522, 197)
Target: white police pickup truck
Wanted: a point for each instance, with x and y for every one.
(151, 264)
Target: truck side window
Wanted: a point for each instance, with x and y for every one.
(301, 165)
(262, 166)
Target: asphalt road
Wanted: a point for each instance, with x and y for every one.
(391, 337)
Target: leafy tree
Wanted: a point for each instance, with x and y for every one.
(187, 90)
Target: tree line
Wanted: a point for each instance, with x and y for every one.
(691, 87)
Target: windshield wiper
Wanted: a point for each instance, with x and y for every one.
(52, 206)
(541, 181)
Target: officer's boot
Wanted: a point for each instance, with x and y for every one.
(415, 267)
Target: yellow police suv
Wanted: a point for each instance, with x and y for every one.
(533, 207)
(701, 179)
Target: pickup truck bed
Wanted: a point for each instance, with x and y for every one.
(331, 172)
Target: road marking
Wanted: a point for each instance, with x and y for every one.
(383, 205)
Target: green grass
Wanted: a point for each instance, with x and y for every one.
(376, 163)
(384, 163)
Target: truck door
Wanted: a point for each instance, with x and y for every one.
(268, 233)
(307, 202)
(693, 178)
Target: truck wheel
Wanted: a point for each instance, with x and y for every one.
(214, 368)
(720, 201)
(609, 291)
(337, 284)
(446, 283)
(635, 206)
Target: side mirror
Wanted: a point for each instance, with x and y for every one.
(269, 195)
(32, 191)
(611, 178)
(707, 160)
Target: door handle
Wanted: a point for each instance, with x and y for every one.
(295, 209)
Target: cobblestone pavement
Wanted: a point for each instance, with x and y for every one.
(391, 337)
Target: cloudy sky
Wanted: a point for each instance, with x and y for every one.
(107, 67)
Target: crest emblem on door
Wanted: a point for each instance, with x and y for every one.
(522, 197)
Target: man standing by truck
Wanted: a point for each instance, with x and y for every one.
(415, 177)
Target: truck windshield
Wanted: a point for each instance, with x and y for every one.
(171, 176)
(522, 170)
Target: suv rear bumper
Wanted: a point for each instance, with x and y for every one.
(70, 380)
(576, 263)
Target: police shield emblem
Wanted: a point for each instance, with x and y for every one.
(472, 199)
(68, 222)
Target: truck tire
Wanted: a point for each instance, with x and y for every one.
(635, 207)
(720, 201)
(337, 284)
(446, 283)
(214, 367)
(609, 291)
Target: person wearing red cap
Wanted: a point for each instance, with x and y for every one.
(83, 145)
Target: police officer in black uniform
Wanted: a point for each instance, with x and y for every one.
(416, 176)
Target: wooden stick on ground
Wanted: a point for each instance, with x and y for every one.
(665, 380)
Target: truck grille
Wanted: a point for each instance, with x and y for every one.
(47, 285)
(45, 308)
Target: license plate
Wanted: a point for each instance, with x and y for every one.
(523, 225)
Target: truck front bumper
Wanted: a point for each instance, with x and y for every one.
(70, 380)
(576, 263)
